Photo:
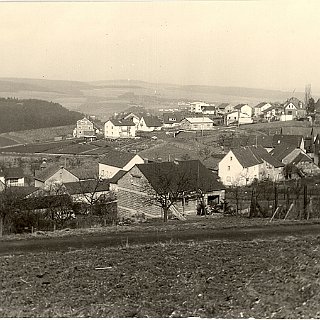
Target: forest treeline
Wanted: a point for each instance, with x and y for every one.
(24, 114)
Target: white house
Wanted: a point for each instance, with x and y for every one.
(115, 161)
(84, 129)
(261, 107)
(149, 123)
(201, 123)
(241, 166)
(244, 108)
(119, 129)
(11, 177)
(134, 118)
(237, 117)
(196, 107)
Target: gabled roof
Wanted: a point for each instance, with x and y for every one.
(84, 173)
(123, 122)
(223, 105)
(252, 140)
(168, 116)
(199, 120)
(296, 102)
(152, 121)
(22, 192)
(252, 156)
(273, 106)
(239, 106)
(12, 173)
(302, 131)
(88, 186)
(45, 174)
(301, 157)
(294, 140)
(261, 104)
(281, 151)
(187, 176)
(117, 176)
(117, 158)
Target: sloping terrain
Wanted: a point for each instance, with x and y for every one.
(237, 279)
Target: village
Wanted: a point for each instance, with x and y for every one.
(138, 167)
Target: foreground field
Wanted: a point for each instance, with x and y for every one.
(260, 279)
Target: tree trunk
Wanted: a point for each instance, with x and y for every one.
(1, 226)
(165, 214)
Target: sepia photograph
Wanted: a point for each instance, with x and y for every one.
(160, 159)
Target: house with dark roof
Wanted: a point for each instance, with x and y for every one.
(289, 139)
(172, 119)
(293, 108)
(241, 166)
(56, 173)
(10, 177)
(189, 180)
(293, 156)
(149, 123)
(88, 190)
(253, 140)
(115, 161)
(115, 128)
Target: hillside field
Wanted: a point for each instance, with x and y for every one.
(212, 279)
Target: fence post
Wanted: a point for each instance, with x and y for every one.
(275, 198)
(305, 201)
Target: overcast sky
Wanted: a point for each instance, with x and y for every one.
(262, 44)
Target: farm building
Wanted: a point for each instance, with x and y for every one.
(201, 123)
(137, 188)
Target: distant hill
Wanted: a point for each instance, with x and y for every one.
(24, 114)
(104, 98)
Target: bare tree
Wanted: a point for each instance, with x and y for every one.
(169, 185)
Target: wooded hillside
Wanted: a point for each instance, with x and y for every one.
(16, 114)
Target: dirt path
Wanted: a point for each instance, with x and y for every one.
(130, 238)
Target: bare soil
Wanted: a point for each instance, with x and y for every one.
(276, 278)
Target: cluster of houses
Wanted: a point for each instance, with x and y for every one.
(292, 154)
(135, 182)
(200, 116)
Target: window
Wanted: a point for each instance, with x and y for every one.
(230, 158)
(13, 181)
(228, 168)
(228, 179)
